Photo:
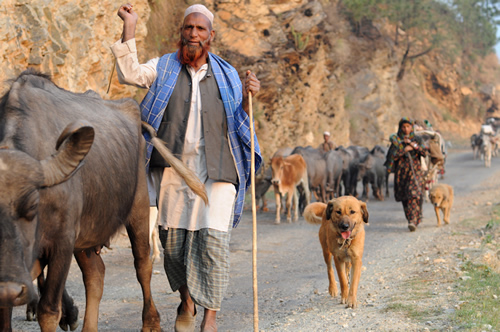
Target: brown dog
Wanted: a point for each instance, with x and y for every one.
(342, 235)
(441, 196)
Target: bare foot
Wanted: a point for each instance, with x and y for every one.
(187, 302)
(209, 323)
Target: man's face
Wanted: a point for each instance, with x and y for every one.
(196, 35)
(326, 137)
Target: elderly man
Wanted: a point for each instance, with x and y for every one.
(327, 145)
(199, 106)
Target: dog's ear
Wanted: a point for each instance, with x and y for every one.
(364, 212)
(329, 210)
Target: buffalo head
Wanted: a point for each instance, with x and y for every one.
(22, 178)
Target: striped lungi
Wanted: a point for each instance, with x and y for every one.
(200, 260)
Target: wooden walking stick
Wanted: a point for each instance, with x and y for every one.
(111, 76)
(254, 218)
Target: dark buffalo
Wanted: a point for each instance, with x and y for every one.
(372, 171)
(334, 167)
(360, 153)
(51, 208)
(351, 157)
(263, 179)
(346, 156)
(316, 171)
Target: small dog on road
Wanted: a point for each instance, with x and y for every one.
(342, 235)
(441, 196)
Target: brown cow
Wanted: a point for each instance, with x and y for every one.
(52, 209)
(288, 173)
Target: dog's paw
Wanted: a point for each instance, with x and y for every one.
(343, 300)
(333, 291)
(352, 303)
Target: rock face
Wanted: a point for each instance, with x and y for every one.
(67, 39)
(316, 74)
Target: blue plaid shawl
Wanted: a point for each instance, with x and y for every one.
(238, 125)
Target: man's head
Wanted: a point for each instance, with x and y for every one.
(196, 34)
(326, 136)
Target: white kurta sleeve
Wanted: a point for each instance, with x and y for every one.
(129, 70)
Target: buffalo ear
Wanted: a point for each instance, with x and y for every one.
(73, 145)
(364, 212)
(329, 210)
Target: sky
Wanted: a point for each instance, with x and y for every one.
(497, 46)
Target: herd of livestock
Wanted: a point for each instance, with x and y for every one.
(336, 172)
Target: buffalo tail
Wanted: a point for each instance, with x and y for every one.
(186, 174)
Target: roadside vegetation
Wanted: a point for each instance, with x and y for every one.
(480, 289)
(480, 285)
(464, 293)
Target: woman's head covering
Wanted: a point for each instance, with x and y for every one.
(404, 120)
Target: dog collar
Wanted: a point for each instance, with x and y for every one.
(345, 243)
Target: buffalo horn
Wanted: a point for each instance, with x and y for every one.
(72, 146)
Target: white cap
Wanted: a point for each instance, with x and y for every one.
(327, 133)
(202, 10)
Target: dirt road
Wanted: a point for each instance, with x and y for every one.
(292, 275)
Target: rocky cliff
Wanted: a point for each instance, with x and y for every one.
(67, 39)
(316, 73)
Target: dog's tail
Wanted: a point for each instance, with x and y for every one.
(313, 213)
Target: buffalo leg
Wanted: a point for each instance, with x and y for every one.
(323, 193)
(93, 270)
(264, 204)
(5, 318)
(347, 185)
(49, 310)
(69, 316)
(69, 313)
(366, 191)
(138, 233)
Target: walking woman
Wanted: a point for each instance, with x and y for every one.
(403, 159)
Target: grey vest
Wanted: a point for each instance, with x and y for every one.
(172, 130)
